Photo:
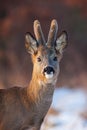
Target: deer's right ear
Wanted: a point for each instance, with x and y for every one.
(31, 43)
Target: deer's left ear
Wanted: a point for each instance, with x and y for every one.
(61, 42)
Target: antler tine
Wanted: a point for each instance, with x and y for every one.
(38, 32)
(52, 33)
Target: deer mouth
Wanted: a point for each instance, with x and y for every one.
(49, 76)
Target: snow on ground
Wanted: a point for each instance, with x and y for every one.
(68, 107)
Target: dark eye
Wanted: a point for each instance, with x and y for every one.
(39, 59)
(55, 58)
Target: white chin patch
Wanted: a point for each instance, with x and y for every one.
(49, 76)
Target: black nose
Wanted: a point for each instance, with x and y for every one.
(48, 70)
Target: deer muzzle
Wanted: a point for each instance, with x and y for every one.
(49, 72)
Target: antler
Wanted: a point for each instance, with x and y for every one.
(52, 33)
(38, 32)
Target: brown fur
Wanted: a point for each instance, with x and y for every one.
(25, 108)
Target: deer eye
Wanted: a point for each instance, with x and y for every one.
(55, 58)
(39, 59)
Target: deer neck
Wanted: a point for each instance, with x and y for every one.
(39, 91)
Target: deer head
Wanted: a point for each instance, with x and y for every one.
(46, 55)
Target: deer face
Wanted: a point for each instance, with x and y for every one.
(46, 55)
(46, 64)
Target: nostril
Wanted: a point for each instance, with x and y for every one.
(48, 70)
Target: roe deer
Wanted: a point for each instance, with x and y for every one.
(25, 108)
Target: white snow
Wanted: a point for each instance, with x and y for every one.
(69, 103)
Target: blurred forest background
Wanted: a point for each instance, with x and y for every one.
(16, 18)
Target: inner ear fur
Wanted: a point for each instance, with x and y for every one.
(61, 42)
(31, 43)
